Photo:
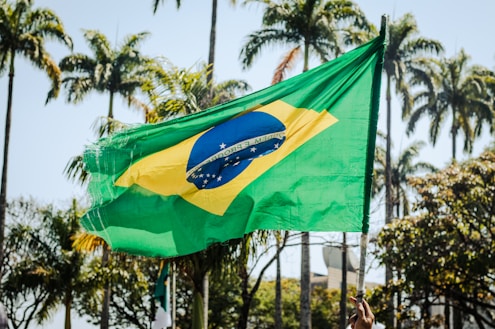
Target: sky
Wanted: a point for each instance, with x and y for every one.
(44, 138)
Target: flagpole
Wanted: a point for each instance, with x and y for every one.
(174, 288)
(364, 234)
(362, 266)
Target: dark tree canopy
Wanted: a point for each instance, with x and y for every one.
(445, 251)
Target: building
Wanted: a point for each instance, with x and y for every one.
(333, 260)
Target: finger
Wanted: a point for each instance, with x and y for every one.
(361, 311)
(359, 307)
(367, 309)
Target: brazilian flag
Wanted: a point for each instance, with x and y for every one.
(161, 294)
(294, 156)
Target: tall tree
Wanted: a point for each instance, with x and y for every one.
(132, 303)
(122, 70)
(116, 71)
(449, 243)
(177, 92)
(50, 263)
(403, 168)
(318, 27)
(250, 248)
(452, 86)
(22, 296)
(23, 32)
(404, 47)
(455, 87)
(195, 267)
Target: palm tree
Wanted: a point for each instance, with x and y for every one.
(321, 28)
(485, 114)
(23, 32)
(179, 92)
(121, 71)
(317, 27)
(453, 86)
(214, 261)
(172, 93)
(402, 50)
(116, 71)
(213, 32)
(50, 263)
(402, 169)
(63, 275)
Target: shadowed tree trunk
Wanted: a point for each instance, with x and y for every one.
(278, 291)
(105, 309)
(3, 191)
(343, 291)
(305, 298)
(213, 33)
(388, 197)
(248, 295)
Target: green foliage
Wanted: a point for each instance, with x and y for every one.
(132, 280)
(321, 28)
(176, 92)
(445, 251)
(42, 269)
(224, 302)
(401, 170)
(263, 306)
(456, 89)
(114, 71)
(405, 48)
(24, 31)
(325, 307)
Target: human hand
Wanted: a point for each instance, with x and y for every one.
(365, 316)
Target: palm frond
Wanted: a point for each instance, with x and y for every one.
(286, 64)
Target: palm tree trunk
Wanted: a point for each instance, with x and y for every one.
(198, 311)
(446, 312)
(343, 291)
(454, 134)
(399, 299)
(306, 57)
(105, 309)
(389, 322)
(388, 168)
(206, 287)
(245, 296)
(110, 107)
(397, 212)
(68, 306)
(397, 200)
(173, 296)
(3, 189)
(278, 291)
(213, 33)
(305, 297)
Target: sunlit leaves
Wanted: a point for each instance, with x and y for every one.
(446, 247)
